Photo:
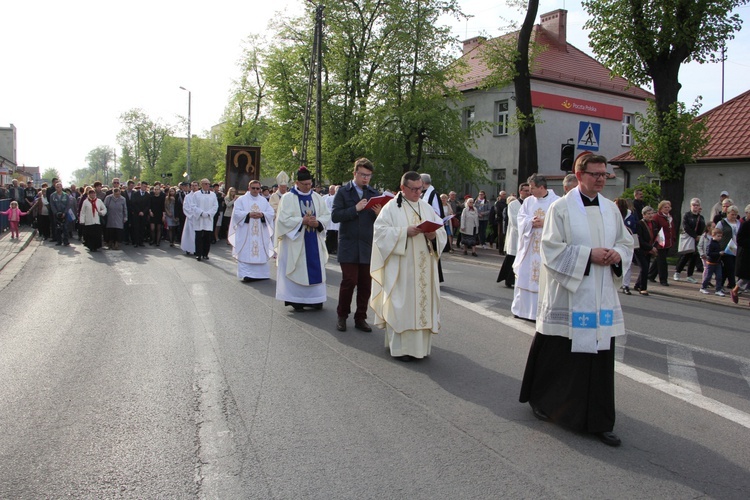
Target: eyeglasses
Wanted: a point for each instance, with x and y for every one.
(255, 189)
(597, 175)
(363, 175)
(417, 189)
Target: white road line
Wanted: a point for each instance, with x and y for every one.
(745, 370)
(676, 391)
(681, 368)
(130, 272)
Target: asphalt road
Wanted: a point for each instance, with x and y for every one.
(146, 374)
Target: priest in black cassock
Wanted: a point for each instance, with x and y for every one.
(569, 377)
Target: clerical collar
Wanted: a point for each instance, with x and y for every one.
(589, 202)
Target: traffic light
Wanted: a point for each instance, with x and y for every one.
(567, 154)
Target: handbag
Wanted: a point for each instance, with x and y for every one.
(686, 243)
(468, 239)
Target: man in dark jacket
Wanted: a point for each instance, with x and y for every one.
(140, 203)
(355, 243)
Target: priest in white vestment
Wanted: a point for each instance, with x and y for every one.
(511, 237)
(404, 269)
(569, 376)
(251, 234)
(528, 262)
(187, 242)
(203, 207)
(300, 243)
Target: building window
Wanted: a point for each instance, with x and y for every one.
(501, 117)
(627, 139)
(468, 117)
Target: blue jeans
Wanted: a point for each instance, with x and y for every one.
(712, 269)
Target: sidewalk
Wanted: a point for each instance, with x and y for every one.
(10, 248)
(491, 259)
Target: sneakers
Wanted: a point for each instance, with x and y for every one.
(676, 277)
(720, 294)
(704, 291)
(690, 279)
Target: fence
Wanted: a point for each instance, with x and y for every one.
(4, 205)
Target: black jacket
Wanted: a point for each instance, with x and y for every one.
(355, 230)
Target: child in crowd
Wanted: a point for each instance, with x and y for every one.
(14, 215)
(713, 263)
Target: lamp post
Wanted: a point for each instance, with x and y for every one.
(190, 96)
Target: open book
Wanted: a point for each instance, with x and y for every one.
(428, 226)
(379, 200)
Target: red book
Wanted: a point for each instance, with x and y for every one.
(378, 200)
(430, 227)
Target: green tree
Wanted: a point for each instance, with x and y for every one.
(99, 160)
(510, 59)
(141, 140)
(244, 123)
(384, 92)
(646, 42)
(50, 173)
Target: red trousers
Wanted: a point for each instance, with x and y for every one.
(354, 275)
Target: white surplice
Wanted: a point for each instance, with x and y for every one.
(187, 242)
(405, 284)
(292, 282)
(252, 241)
(528, 263)
(584, 308)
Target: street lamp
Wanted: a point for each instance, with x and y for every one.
(190, 95)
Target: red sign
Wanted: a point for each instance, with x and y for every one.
(575, 105)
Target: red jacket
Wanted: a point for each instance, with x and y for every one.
(668, 227)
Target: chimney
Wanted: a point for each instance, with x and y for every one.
(555, 23)
(472, 43)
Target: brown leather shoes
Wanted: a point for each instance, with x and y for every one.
(362, 325)
(341, 324)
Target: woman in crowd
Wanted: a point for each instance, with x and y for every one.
(664, 221)
(469, 227)
(447, 210)
(646, 230)
(630, 221)
(42, 213)
(117, 216)
(92, 209)
(170, 218)
(743, 257)
(156, 214)
(728, 244)
(229, 200)
(693, 226)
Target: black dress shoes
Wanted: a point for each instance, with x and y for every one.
(362, 325)
(609, 438)
(198, 258)
(341, 324)
(540, 414)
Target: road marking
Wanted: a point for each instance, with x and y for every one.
(130, 272)
(681, 368)
(217, 454)
(676, 391)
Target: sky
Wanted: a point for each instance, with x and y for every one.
(70, 69)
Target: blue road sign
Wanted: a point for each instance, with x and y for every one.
(588, 136)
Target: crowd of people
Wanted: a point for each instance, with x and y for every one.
(566, 256)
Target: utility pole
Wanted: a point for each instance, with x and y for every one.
(315, 76)
(190, 98)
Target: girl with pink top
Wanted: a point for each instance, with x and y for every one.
(14, 215)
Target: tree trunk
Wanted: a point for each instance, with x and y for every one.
(527, 157)
(666, 92)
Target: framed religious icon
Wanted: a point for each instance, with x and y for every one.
(243, 166)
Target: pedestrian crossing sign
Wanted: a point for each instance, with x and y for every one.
(588, 136)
